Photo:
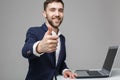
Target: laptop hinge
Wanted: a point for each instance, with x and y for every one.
(104, 72)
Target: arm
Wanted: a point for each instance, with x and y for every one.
(34, 47)
(27, 50)
(64, 69)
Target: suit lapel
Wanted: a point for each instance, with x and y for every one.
(62, 49)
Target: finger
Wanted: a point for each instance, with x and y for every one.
(70, 76)
(53, 37)
(51, 50)
(49, 31)
(65, 76)
(52, 47)
(75, 74)
(52, 42)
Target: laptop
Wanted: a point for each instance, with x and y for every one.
(106, 69)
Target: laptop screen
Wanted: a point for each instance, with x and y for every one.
(110, 58)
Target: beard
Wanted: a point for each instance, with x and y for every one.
(55, 21)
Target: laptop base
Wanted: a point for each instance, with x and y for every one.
(89, 74)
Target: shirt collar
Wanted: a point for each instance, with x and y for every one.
(59, 33)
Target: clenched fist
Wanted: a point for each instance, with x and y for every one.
(49, 42)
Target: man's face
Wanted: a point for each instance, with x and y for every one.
(54, 14)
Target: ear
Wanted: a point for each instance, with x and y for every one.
(44, 13)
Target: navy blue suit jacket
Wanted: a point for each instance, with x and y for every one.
(43, 67)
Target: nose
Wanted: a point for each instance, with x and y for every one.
(57, 13)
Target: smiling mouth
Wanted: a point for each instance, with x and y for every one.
(57, 20)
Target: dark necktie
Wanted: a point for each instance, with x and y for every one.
(55, 76)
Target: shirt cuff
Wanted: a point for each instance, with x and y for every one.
(65, 70)
(34, 49)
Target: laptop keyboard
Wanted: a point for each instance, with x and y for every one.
(93, 73)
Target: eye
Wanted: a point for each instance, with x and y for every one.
(52, 9)
(61, 10)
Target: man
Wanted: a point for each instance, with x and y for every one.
(45, 46)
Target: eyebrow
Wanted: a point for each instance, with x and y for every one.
(56, 8)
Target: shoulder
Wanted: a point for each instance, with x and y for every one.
(41, 28)
(35, 29)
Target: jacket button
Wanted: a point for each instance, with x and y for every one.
(28, 52)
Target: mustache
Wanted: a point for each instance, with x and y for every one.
(57, 17)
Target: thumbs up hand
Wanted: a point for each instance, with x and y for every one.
(49, 42)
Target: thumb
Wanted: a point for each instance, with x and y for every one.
(65, 76)
(49, 31)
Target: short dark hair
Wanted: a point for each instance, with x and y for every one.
(50, 1)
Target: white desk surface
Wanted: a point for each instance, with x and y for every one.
(115, 75)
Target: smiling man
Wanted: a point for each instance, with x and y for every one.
(45, 45)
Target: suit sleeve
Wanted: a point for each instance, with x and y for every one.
(27, 50)
(63, 67)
